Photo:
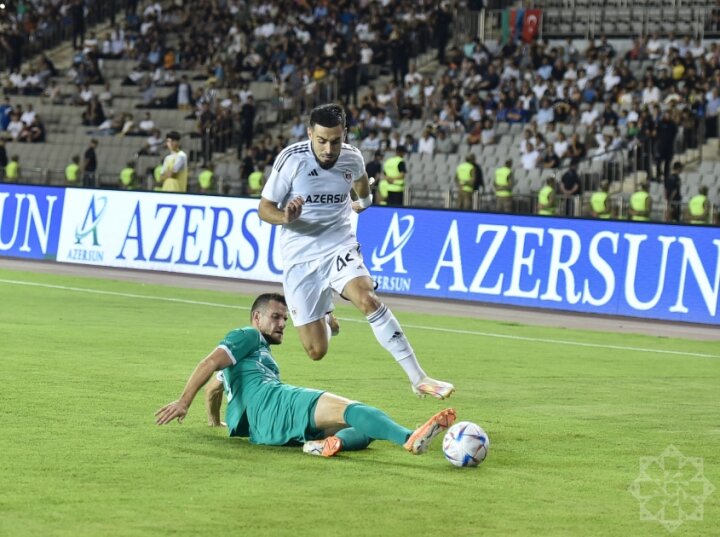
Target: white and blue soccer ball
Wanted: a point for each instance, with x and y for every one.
(466, 444)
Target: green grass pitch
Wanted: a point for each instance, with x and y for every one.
(570, 414)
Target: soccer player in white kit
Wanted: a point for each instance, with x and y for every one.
(308, 194)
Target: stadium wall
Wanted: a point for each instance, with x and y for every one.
(647, 270)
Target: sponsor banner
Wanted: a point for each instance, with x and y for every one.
(30, 219)
(207, 235)
(608, 267)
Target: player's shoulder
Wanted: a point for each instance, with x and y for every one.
(240, 335)
(351, 153)
(292, 153)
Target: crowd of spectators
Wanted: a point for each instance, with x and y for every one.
(615, 103)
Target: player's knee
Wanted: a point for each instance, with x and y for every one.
(316, 353)
(369, 303)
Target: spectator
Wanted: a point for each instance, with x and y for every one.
(570, 189)
(89, 166)
(72, 171)
(640, 204)
(206, 179)
(503, 187)
(33, 133)
(673, 196)
(12, 169)
(665, 135)
(546, 198)
(147, 125)
(600, 201)
(395, 173)
(699, 207)
(15, 127)
(531, 157)
(426, 143)
(127, 176)
(3, 156)
(444, 144)
(465, 182)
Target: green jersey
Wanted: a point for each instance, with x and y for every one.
(258, 404)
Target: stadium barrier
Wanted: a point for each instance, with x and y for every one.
(645, 270)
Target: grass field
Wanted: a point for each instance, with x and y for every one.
(84, 364)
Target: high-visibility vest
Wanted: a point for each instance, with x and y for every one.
(71, 172)
(177, 183)
(255, 180)
(157, 172)
(391, 168)
(502, 182)
(696, 207)
(598, 203)
(638, 203)
(383, 190)
(205, 179)
(465, 176)
(544, 198)
(127, 176)
(12, 170)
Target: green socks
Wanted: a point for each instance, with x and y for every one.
(371, 423)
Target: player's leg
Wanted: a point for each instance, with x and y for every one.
(361, 292)
(309, 300)
(367, 423)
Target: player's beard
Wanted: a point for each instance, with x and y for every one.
(272, 339)
(325, 165)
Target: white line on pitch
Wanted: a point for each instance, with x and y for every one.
(419, 327)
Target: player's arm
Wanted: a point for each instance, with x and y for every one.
(215, 361)
(361, 187)
(213, 401)
(269, 212)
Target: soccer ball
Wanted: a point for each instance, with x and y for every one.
(466, 444)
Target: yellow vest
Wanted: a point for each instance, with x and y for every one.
(502, 182)
(205, 179)
(157, 172)
(597, 202)
(465, 176)
(71, 172)
(544, 196)
(178, 181)
(638, 204)
(255, 180)
(12, 170)
(127, 176)
(383, 190)
(391, 168)
(696, 207)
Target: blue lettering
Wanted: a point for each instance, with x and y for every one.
(253, 243)
(271, 249)
(215, 236)
(163, 231)
(137, 223)
(187, 234)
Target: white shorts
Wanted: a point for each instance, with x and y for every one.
(309, 286)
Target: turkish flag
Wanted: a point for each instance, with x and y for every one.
(531, 22)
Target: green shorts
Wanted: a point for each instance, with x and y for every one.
(281, 414)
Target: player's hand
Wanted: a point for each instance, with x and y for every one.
(293, 210)
(175, 410)
(357, 208)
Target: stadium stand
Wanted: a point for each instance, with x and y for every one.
(594, 83)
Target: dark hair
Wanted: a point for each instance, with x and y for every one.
(263, 300)
(173, 135)
(328, 115)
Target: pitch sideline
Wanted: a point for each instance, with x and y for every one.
(345, 319)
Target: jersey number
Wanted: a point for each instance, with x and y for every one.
(342, 262)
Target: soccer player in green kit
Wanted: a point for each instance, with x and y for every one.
(268, 411)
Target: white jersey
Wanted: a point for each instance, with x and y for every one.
(325, 223)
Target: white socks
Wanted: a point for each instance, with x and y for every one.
(388, 332)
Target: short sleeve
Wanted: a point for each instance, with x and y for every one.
(279, 183)
(239, 343)
(359, 167)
